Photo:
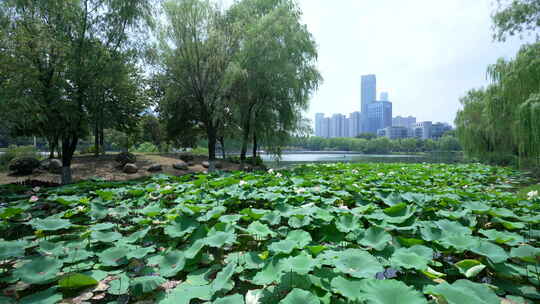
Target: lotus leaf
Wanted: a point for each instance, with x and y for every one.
(39, 270)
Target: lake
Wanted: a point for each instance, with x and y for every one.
(322, 157)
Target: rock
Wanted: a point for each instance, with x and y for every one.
(155, 168)
(130, 168)
(191, 163)
(186, 157)
(181, 165)
(24, 165)
(205, 164)
(218, 165)
(55, 166)
(126, 158)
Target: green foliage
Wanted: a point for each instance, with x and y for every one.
(334, 233)
(146, 147)
(517, 17)
(13, 152)
(499, 124)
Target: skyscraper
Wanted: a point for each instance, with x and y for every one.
(379, 116)
(355, 126)
(384, 96)
(336, 125)
(318, 124)
(369, 91)
(368, 96)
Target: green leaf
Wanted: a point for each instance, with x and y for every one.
(347, 223)
(526, 253)
(284, 246)
(48, 296)
(495, 253)
(184, 293)
(171, 263)
(375, 237)
(220, 238)
(142, 285)
(408, 259)
(135, 236)
(358, 263)
(120, 285)
(50, 224)
(391, 292)
(76, 280)
(223, 277)
(470, 268)
(301, 264)
(106, 237)
(464, 291)
(114, 256)
(181, 226)
(502, 237)
(234, 299)
(300, 237)
(40, 270)
(12, 249)
(259, 229)
(300, 296)
(350, 289)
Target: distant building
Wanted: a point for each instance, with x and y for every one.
(336, 125)
(407, 122)
(355, 124)
(345, 127)
(422, 130)
(393, 132)
(368, 95)
(379, 116)
(325, 127)
(438, 129)
(384, 96)
(319, 124)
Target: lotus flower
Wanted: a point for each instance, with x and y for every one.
(242, 182)
(270, 171)
(33, 199)
(279, 175)
(36, 189)
(531, 195)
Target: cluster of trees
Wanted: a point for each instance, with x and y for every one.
(501, 123)
(378, 145)
(70, 69)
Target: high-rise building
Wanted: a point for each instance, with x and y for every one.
(318, 124)
(422, 130)
(438, 129)
(407, 122)
(368, 95)
(384, 96)
(393, 132)
(325, 126)
(355, 124)
(336, 125)
(379, 116)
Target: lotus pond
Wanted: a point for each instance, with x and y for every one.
(333, 233)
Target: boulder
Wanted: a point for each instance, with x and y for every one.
(186, 157)
(181, 165)
(191, 163)
(55, 166)
(155, 168)
(205, 164)
(130, 168)
(125, 158)
(24, 165)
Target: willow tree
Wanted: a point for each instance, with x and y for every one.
(517, 17)
(275, 69)
(195, 52)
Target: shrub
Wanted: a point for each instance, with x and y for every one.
(126, 158)
(23, 165)
(147, 147)
(17, 152)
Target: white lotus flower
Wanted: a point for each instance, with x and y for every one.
(270, 171)
(354, 171)
(168, 187)
(531, 195)
(242, 182)
(279, 175)
(344, 207)
(33, 199)
(380, 174)
(300, 190)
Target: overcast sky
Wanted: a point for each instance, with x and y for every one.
(425, 53)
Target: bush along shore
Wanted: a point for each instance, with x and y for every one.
(333, 233)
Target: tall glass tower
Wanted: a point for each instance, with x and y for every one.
(369, 91)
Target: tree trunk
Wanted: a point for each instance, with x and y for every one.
(102, 139)
(254, 160)
(245, 140)
(222, 142)
(212, 138)
(69, 144)
(96, 139)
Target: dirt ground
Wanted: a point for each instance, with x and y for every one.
(86, 167)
